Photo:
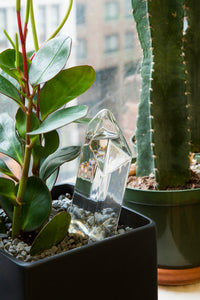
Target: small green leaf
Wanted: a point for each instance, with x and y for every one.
(51, 180)
(52, 233)
(66, 86)
(5, 170)
(83, 121)
(36, 205)
(10, 79)
(50, 144)
(55, 160)
(49, 60)
(7, 189)
(9, 144)
(7, 206)
(21, 123)
(9, 90)
(61, 118)
(7, 63)
(7, 196)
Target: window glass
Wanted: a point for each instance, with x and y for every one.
(111, 43)
(3, 16)
(128, 9)
(80, 13)
(81, 51)
(111, 10)
(128, 40)
(55, 15)
(42, 23)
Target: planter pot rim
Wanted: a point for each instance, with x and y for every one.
(162, 197)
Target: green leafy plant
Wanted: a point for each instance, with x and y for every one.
(41, 87)
(168, 125)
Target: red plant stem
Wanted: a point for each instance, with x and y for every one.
(23, 43)
(25, 30)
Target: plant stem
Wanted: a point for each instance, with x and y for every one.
(63, 21)
(26, 18)
(16, 51)
(23, 43)
(18, 5)
(20, 195)
(16, 225)
(27, 156)
(9, 38)
(35, 39)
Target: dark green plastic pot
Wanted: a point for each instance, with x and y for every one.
(177, 218)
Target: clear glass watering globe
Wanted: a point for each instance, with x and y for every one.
(101, 179)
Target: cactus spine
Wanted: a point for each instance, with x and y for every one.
(166, 96)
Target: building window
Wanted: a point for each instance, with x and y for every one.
(3, 39)
(111, 43)
(111, 10)
(128, 9)
(42, 33)
(55, 16)
(128, 40)
(81, 51)
(80, 14)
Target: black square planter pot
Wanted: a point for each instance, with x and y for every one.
(120, 267)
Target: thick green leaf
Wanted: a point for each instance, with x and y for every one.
(49, 60)
(52, 233)
(4, 169)
(21, 123)
(7, 196)
(9, 144)
(10, 79)
(7, 189)
(36, 205)
(7, 63)
(9, 90)
(61, 118)
(83, 121)
(56, 159)
(7, 206)
(50, 144)
(51, 180)
(66, 86)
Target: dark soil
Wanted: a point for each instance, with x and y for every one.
(149, 183)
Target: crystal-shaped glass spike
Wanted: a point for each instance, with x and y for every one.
(101, 179)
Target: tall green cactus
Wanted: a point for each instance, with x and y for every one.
(145, 162)
(167, 93)
(192, 58)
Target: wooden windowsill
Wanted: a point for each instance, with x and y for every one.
(187, 292)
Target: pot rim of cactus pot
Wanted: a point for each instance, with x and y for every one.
(169, 197)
